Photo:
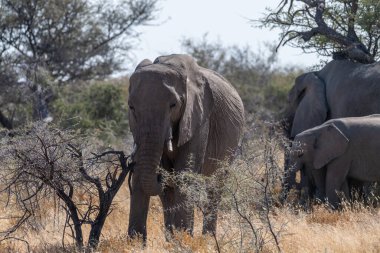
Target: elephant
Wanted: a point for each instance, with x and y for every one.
(338, 153)
(342, 88)
(186, 118)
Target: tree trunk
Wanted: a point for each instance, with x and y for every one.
(97, 226)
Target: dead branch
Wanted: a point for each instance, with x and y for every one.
(54, 161)
(318, 25)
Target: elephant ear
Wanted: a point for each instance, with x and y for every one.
(309, 96)
(196, 92)
(199, 103)
(330, 144)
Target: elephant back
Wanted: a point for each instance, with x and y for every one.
(352, 89)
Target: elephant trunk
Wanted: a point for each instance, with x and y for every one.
(148, 158)
(287, 121)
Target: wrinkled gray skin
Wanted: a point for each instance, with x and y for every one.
(336, 152)
(203, 113)
(341, 89)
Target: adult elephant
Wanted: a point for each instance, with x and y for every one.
(187, 118)
(341, 89)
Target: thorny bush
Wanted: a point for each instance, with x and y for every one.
(45, 163)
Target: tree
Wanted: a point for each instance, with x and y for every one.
(45, 163)
(342, 28)
(72, 39)
(98, 108)
(8, 80)
(55, 42)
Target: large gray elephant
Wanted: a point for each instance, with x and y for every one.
(341, 89)
(188, 118)
(338, 151)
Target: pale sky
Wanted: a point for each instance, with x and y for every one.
(223, 20)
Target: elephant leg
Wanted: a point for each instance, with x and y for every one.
(359, 190)
(178, 213)
(335, 179)
(167, 199)
(346, 190)
(332, 195)
(139, 205)
(319, 177)
(210, 212)
(183, 212)
(306, 190)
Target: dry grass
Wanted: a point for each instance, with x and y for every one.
(326, 231)
(321, 230)
(355, 229)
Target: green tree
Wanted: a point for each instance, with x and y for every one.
(98, 108)
(342, 28)
(54, 42)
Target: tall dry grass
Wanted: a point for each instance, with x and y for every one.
(253, 184)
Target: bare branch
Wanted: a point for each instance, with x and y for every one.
(336, 29)
(51, 162)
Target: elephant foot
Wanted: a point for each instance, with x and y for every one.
(334, 203)
(169, 234)
(209, 224)
(209, 230)
(134, 234)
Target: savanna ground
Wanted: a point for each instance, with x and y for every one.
(250, 219)
(319, 231)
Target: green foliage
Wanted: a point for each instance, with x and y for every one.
(99, 109)
(276, 92)
(72, 39)
(49, 43)
(262, 86)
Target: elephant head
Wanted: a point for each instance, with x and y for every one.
(320, 145)
(169, 100)
(307, 104)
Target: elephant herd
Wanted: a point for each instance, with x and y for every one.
(326, 115)
(186, 118)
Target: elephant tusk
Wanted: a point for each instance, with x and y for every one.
(170, 138)
(170, 145)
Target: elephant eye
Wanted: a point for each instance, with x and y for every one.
(172, 105)
(131, 108)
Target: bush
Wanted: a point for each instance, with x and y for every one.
(43, 164)
(98, 108)
(250, 191)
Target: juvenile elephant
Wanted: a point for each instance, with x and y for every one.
(341, 89)
(336, 152)
(187, 118)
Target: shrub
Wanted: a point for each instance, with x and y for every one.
(98, 108)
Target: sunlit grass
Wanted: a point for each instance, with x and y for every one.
(321, 230)
(356, 228)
